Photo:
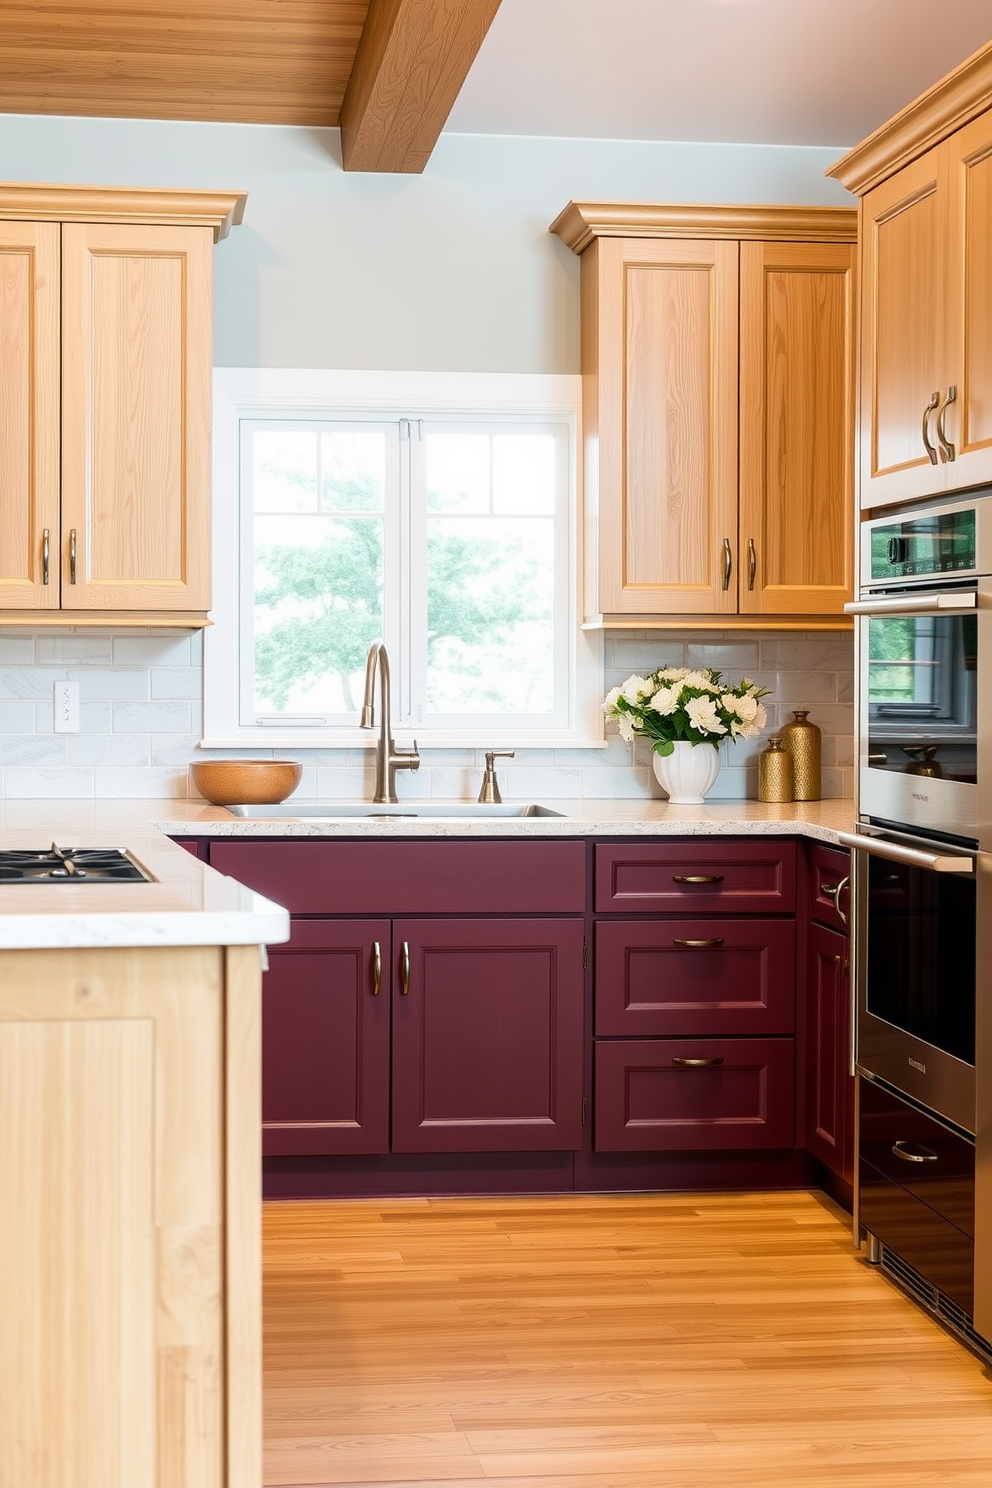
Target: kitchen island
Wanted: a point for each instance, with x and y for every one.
(130, 1352)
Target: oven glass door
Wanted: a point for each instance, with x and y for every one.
(920, 974)
(920, 710)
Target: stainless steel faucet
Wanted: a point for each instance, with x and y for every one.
(388, 759)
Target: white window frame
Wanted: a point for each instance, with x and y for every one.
(258, 393)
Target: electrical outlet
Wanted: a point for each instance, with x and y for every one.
(67, 707)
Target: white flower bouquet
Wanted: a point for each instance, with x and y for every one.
(678, 704)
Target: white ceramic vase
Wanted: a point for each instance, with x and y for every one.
(688, 772)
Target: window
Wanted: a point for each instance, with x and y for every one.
(435, 512)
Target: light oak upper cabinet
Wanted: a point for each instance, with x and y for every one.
(105, 393)
(718, 375)
(925, 179)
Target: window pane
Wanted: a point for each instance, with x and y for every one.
(318, 587)
(352, 471)
(284, 470)
(458, 472)
(524, 474)
(490, 630)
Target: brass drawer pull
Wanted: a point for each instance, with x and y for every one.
(924, 1155)
(931, 452)
(72, 555)
(376, 968)
(405, 969)
(946, 447)
(717, 940)
(752, 562)
(46, 553)
(834, 891)
(697, 1063)
(728, 556)
(697, 878)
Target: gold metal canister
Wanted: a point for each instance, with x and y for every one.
(774, 772)
(801, 739)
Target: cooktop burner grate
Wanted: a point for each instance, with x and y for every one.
(69, 865)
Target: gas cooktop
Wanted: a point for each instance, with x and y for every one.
(69, 865)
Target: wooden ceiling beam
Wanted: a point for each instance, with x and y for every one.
(412, 59)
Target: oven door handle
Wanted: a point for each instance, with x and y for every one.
(914, 604)
(911, 856)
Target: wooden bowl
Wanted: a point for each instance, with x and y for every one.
(245, 782)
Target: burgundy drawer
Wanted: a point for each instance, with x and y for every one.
(423, 877)
(195, 845)
(646, 1101)
(740, 979)
(718, 875)
(828, 867)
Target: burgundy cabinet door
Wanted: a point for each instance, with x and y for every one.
(713, 876)
(487, 1035)
(695, 977)
(829, 1083)
(691, 1094)
(325, 1040)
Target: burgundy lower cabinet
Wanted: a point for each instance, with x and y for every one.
(829, 1101)
(698, 977)
(325, 1034)
(487, 1035)
(694, 1094)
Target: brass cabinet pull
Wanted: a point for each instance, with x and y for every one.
(697, 1063)
(728, 557)
(834, 891)
(924, 1155)
(405, 969)
(946, 447)
(72, 556)
(717, 940)
(376, 968)
(46, 553)
(934, 400)
(752, 562)
(697, 878)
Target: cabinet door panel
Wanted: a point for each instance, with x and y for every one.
(136, 389)
(667, 367)
(487, 1040)
(829, 1083)
(649, 981)
(903, 284)
(421, 877)
(29, 413)
(646, 1101)
(829, 867)
(325, 1040)
(797, 427)
(969, 292)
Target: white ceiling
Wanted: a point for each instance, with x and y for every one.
(809, 72)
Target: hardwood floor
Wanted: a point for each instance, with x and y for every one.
(628, 1341)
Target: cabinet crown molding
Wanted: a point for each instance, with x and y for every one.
(580, 223)
(953, 102)
(220, 210)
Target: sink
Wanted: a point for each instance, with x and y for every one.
(404, 811)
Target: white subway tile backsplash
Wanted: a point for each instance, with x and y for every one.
(93, 649)
(164, 649)
(141, 709)
(17, 718)
(152, 717)
(35, 784)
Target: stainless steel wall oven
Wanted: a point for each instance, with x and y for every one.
(922, 878)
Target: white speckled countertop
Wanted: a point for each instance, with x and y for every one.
(587, 818)
(190, 904)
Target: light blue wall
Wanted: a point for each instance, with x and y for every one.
(450, 271)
